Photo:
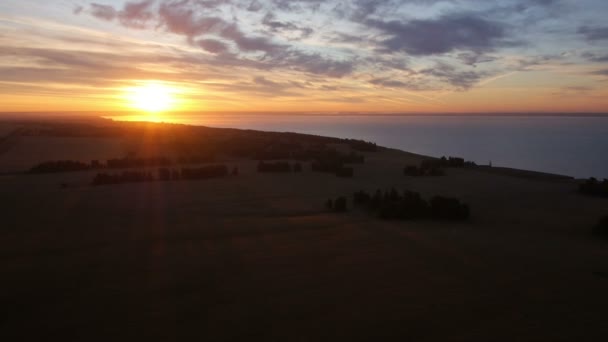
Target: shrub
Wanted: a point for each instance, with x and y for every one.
(340, 204)
(361, 198)
(329, 205)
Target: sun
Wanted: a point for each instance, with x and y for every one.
(152, 97)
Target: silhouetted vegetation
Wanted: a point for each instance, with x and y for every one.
(392, 205)
(164, 175)
(594, 187)
(124, 177)
(205, 172)
(131, 162)
(601, 228)
(361, 145)
(59, 166)
(338, 205)
(278, 167)
(415, 171)
(446, 162)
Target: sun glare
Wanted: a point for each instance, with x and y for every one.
(152, 97)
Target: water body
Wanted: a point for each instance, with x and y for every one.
(569, 145)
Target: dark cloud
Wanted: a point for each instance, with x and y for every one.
(461, 80)
(213, 45)
(595, 57)
(104, 12)
(603, 72)
(136, 14)
(255, 6)
(275, 25)
(317, 64)
(393, 83)
(441, 35)
(471, 58)
(77, 10)
(594, 33)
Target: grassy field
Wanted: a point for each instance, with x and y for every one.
(257, 257)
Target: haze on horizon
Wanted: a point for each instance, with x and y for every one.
(306, 55)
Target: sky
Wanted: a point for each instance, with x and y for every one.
(321, 56)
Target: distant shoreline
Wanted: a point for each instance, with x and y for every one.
(115, 114)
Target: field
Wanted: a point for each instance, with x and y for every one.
(258, 257)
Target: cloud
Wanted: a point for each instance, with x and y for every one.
(212, 45)
(393, 83)
(136, 14)
(104, 12)
(437, 36)
(295, 31)
(595, 57)
(472, 58)
(462, 80)
(603, 72)
(594, 33)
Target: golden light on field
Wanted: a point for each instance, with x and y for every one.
(152, 97)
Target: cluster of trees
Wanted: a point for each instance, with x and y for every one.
(410, 205)
(279, 167)
(336, 205)
(334, 162)
(205, 172)
(435, 167)
(594, 187)
(124, 177)
(601, 229)
(362, 145)
(59, 166)
(116, 163)
(164, 174)
(337, 169)
(131, 162)
(446, 162)
(415, 171)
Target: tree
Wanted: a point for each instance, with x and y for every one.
(340, 204)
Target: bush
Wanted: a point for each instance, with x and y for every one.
(410, 205)
(329, 205)
(340, 204)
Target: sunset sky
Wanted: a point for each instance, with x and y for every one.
(305, 56)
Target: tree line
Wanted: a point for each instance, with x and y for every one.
(408, 205)
(593, 187)
(164, 174)
(278, 167)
